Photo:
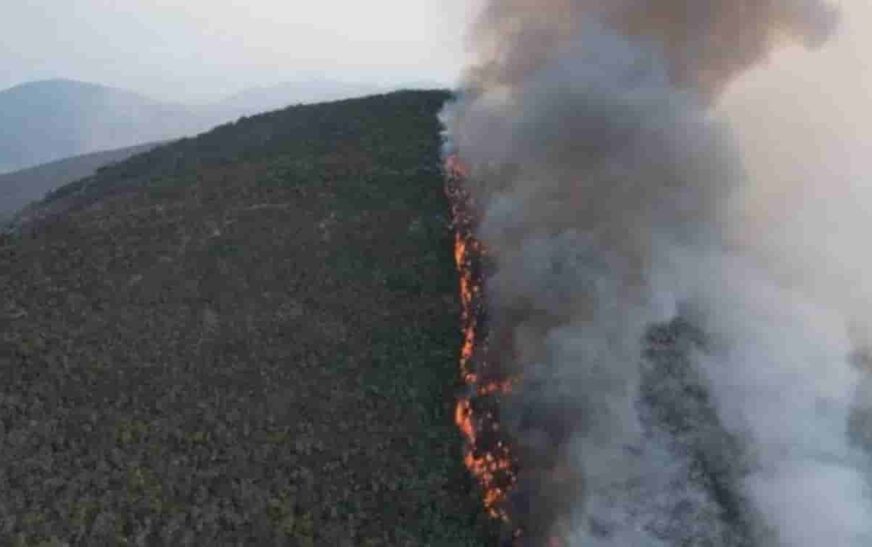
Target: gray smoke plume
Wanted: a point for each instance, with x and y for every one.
(673, 389)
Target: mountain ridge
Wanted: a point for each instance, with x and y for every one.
(247, 337)
(52, 119)
(19, 188)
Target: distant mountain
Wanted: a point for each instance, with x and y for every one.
(49, 120)
(262, 99)
(19, 188)
(53, 119)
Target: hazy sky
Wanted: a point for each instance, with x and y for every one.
(198, 50)
(202, 49)
(810, 107)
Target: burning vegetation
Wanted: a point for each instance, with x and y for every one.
(487, 452)
(638, 370)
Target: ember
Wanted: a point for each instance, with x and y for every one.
(488, 454)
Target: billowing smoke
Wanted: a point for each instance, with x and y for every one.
(676, 387)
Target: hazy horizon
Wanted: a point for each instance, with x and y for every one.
(309, 84)
(198, 52)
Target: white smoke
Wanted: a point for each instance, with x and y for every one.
(676, 350)
(784, 382)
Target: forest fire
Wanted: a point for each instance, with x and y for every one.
(487, 452)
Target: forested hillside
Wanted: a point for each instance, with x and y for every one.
(19, 188)
(244, 338)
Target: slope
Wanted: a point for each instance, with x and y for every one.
(19, 188)
(244, 338)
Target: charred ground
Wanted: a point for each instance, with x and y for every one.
(248, 337)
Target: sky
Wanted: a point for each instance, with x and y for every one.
(201, 50)
(204, 50)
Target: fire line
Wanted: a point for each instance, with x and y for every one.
(487, 451)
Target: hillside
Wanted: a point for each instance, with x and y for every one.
(54, 119)
(19, 188)
(245, 338)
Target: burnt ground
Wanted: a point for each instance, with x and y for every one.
(245, 338)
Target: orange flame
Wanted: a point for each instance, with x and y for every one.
(487, 457)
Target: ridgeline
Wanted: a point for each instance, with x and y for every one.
(244, 338)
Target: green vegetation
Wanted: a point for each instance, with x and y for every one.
(245, 338)
(22, 187)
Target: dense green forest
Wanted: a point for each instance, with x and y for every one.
(243, 338)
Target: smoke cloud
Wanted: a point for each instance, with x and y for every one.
(676, 385)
